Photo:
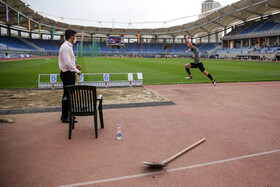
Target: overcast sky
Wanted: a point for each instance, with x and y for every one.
(109, 13)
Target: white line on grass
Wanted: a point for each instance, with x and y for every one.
(170, 170)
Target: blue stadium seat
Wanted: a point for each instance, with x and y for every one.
(15, 43)
(266, 27)
(47, 45)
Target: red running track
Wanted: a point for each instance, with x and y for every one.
(240, 122)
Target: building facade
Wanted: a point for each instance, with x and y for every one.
(206, 6)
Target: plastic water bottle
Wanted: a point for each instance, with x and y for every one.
(119, 133)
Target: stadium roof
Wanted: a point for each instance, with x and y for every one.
(218, 19)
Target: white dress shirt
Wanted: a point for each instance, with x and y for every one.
(66, 58)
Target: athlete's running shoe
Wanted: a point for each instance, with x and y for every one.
(214, 83)
(188, 78)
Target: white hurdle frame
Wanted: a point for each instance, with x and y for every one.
(101, 84)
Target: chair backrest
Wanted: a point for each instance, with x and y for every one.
(81, 99)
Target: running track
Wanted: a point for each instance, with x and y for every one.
(240, 122)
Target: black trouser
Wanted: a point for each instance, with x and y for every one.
(198, 65)
(68, 78)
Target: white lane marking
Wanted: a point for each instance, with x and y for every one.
(170, 170)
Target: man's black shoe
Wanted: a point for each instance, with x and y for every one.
(66, 120)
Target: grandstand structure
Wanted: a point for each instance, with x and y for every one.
(250, 28)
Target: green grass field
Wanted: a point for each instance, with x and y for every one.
(24, 74)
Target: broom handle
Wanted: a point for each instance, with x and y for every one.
(182, 152)
(79, 81)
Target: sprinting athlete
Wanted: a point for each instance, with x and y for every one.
(197, 63)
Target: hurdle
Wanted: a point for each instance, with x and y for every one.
(102, 80)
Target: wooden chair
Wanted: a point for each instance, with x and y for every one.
(83, 102)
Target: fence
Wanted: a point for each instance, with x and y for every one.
(94, 79)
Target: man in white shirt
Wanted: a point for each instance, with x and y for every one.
(67, 65)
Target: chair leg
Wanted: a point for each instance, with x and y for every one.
(70, 127)
(73, 123)
(95, 124)
(101, 116)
